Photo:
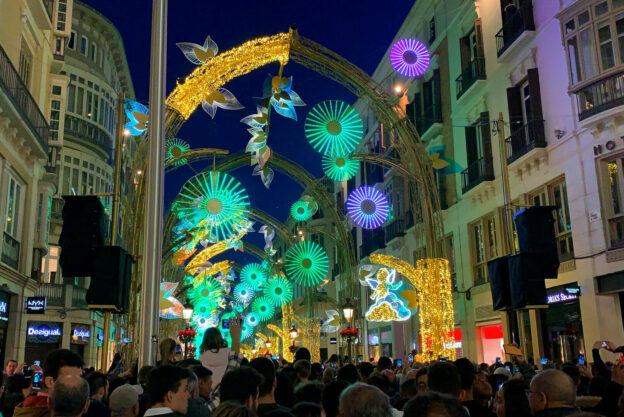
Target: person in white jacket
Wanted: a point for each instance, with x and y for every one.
(214, 353)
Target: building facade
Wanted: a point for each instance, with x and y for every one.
(561, 134)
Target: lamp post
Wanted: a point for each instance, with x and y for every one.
(347, 312)
(187, 313)
(293, 333)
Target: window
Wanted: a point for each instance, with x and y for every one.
(612, 191)
(71, 97)
(555, 194)
(72, 40)
(58, 46)
(25, 64)
(55, 117)
(449, 253)
(84, 42)
(49, 265)
(484, 247)
(93, 52)
(432, 30)
(14, 209)
(80, 100)
(61, 17)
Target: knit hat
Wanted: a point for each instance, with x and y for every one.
(122, 399)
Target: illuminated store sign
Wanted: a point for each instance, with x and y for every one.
(43, 332)
(36, 305)
(566, 294)
(81, 333)
(4, 309)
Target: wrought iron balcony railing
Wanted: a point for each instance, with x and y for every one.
(477, 172)
(524, 138)
(474, 71)
(518, 22)
(396, 228)
(372, 243)
(12, 85)
(10, 251)
(601, 95)
(89, 132)
(432, 114)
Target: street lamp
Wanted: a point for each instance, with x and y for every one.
(293, 333)
(347, 311)
(187, 312)
(268, 345)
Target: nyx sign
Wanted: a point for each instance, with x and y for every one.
(35, 305)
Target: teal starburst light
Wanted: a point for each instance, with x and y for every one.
(340, 167)
(252, 319)
(263, 308)
(307, 263)
(174, 148)
(203, 308)
(300, 211)
(333, 128)
(216, 202)
(243, 293)
(208, 292)
(279, 291)
(253, 276)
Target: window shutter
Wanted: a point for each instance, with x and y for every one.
(479, 38)
(437, 95)
(514, 105)
(486, 139)
(534, 91)
(472, 150)
(464, 51)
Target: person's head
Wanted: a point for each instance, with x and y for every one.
(551, 388)
(484, 367)
(17, 383)
(443, 377)
(302, 368)
(188, 363)
(348, 373)
(331, 397)
(573, 372)
(233, 409)
(60, 362)
(284, 392)
(329, 374)
(421, 379)
(384, 363)
(380, 381)
(481, 388)
(265, 367)
(309, 392)
(242, 385)
(303, 353)
(366, 368)
(69, 396)
(467, 373)
(143, 373)
(213, 340)
(409, 389)
(124, 401)
(362, 400)
(167, 386)
(307, 409)
(204, 380)
(98, 385)
(433, 404)
(167, 351)
(10, 367)
(316, 371)
(511, 400)
(193, 385)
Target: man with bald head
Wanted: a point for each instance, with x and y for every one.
(70, 396)
(552, 394)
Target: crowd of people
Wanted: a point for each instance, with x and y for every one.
(222, 383)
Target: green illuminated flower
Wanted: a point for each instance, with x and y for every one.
(174, 148)
(253, 276)
(207, 292)
(333, 127)
(216, 202)
(300, 211)
(279, 291)
(263, 308)
(340, 167)
(307, 263)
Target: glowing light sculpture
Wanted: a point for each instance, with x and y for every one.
(307, 263)
(263, 308)
(138, 116)
(409, 57)
(300, 211)
(388, 306)
(208, 291)
(218, 203)
(252, 319)
(367, 207)
(333, 127)
(243, 294)
(278, 291)
(253, 276)
(199, 54)
(174, 148)
(340, 167)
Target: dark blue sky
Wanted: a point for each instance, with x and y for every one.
(360, 31)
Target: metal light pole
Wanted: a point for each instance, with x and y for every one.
(152, 238)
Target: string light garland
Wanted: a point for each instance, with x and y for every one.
(208, 271)
(253, 276)
(307, 263)
(263, 308)
(409, 57)
(333, 127)
(278, 291)
(340, 167)
(202, 258)
(367, 207)
(300, 211)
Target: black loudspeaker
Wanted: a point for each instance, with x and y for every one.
(83, 229)
(526, 282)
(498, 271)
(536, 234)
(110, 282)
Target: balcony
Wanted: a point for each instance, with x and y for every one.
(63, 295)
(480, 170)
(409, 219)
(396, 228)
(10, 251)
(524, 139)
(374, 241)
(515, 24)
(432, 115)
(601, 95)
(53, 293)
(49, 7)
(89, 132)
(12, 85)
(474, 71)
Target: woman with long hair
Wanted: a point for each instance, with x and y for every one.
(511, 399)
(214, 353)
(167, 352)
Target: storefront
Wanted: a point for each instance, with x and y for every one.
(490, 342)
(563, 330)
(456, 344)
(4, 323)
(80, 337)
(42, 337)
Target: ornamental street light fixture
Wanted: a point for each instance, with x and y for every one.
(293, 333)
(187, 312)
(347, 311)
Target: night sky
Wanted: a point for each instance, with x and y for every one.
(360, 31)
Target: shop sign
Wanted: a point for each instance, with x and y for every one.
(80, 334)
(4, 308)
(43, 332)
(567, 294)
(36, 305)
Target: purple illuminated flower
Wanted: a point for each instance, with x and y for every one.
(409, 57)
(367, 207)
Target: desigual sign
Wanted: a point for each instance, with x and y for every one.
(81, 333)
(44, 332)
